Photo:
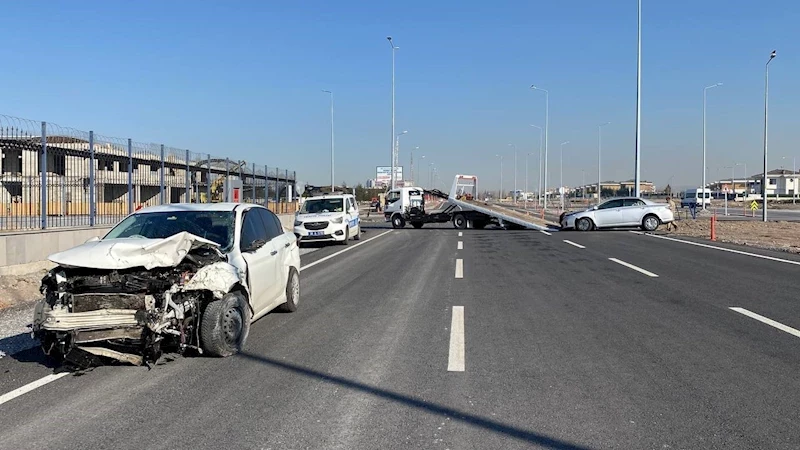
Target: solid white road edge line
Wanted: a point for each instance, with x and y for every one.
(730, 250)
(321, 260)
(460, 233)
(461, 245)
(574, 244)
(767, 321)
(545, 232)
(455, 359)
(631, 266)
(459, 268)
(31, 386)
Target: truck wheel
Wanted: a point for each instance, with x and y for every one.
(417, 225)
(398, 221)
(459, 221)
(225, 325)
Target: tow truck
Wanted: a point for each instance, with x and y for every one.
(406, 205)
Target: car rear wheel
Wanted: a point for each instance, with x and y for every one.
(650, 222)
(225, 325)
(292, 292)
(584, 224)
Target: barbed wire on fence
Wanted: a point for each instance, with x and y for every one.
(55, 176)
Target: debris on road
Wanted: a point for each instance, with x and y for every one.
(782, 236)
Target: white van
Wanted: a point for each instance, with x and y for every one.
(332, 218)
(697, 196)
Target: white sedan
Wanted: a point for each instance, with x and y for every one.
(172, 277)
(618, 213)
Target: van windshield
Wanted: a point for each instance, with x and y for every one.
(322, 205)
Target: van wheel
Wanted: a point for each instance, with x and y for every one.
(346, 236)
(650, 222)
(398, 221)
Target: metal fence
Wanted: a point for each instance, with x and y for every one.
(55, 177)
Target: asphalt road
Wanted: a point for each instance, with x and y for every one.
(562, 348)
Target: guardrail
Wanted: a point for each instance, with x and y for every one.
(57, 177)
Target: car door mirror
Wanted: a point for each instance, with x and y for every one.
(255, 245)
(93, 239)
(595, 208)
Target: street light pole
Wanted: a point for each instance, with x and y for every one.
(766, 124)
(501, 177)
(599, 155)
(527, 157)
(394, 158)
(561, 173)
(638, 174)
(705, 90)
(546, 136)
(515, 172)
(539, 178)
(332, 181)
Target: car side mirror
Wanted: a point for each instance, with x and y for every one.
(595, 208)
(93, 239)
(255, 245)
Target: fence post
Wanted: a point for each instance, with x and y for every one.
(188, 180)
(287, 187)
(266, 186)
(161, 196)
(130, 177)
(208, 181)
(43, 169)
(92, 204)
(227, 179)
(254, 182)
(277, 188)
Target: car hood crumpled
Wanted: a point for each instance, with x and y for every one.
(126, 253)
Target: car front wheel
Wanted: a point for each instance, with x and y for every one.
(584, 224)
(650, 223)
(225, 325)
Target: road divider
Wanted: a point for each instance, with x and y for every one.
(794, 332)
(574, 244)
(456, 357)
(631, 266)
(459, 268)
(321, 260)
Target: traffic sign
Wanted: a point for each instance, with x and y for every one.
(754, 206)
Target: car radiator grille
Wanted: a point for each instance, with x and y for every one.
(316, 225)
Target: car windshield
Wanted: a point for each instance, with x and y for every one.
(216, 226)
(322, 205)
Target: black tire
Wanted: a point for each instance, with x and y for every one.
(650, 222)
(225, 325)
(398, 221)
(357, 236)
(292, 292)
(346, 236)
(584, 224)
(417, 225)
(460, 222)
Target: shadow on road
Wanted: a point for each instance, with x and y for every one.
(471, 419)
(24, 349)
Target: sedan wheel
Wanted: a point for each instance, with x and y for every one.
(650, 223)
(584, 224)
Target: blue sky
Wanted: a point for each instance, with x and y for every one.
(244, 79)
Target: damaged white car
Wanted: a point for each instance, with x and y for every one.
(168, 278)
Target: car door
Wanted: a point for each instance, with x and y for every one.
(633, 210)
(355, 219)
(261, 258)
(609, 214)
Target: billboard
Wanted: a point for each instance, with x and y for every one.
(383, 175)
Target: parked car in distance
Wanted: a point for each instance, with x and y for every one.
(177, 277)
(331, 218)
(619, 213)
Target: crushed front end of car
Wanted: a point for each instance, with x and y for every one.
(130, 299)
